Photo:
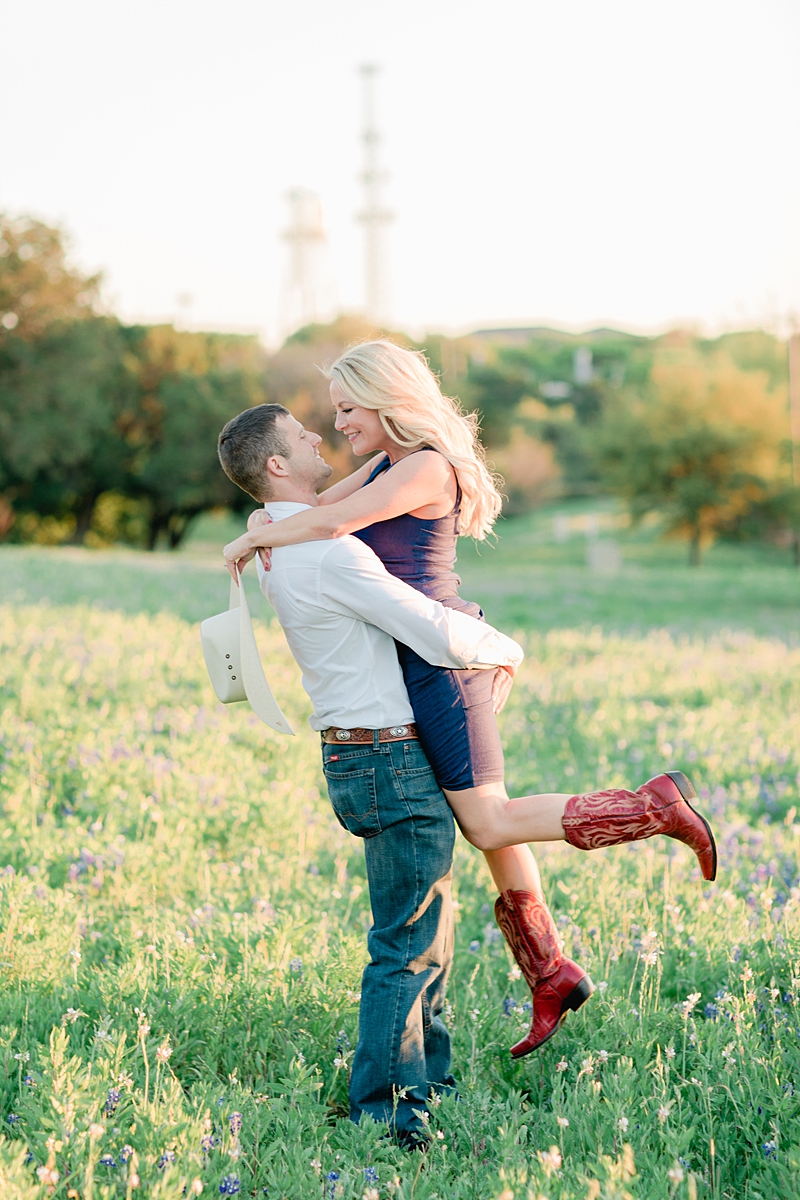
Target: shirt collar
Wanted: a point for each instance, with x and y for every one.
(278, 509)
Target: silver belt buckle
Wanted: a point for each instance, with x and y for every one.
(399, 731)
(342, 735)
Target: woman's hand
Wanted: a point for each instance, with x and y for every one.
(261, 517)
(501, 687)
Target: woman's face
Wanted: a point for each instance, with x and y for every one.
(361, 426)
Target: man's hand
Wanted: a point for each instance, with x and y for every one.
(261, 517)
(501, 687)
(237, 554)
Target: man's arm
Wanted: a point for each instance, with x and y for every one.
(354, 582)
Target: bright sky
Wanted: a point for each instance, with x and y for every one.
(571, 163)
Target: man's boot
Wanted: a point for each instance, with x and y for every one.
(659, 806)
(557, 983)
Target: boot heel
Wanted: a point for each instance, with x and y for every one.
(683, 784)
(579, 994)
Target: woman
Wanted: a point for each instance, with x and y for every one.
(427, 485)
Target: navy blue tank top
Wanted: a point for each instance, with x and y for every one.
(420, 551)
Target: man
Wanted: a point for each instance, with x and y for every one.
(340, 610)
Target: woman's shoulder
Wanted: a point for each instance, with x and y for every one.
(429, 461)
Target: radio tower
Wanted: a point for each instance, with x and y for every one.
(303, 300)
(374, 217)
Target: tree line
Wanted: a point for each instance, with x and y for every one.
(108, 431)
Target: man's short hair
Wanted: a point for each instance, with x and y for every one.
(245, 444)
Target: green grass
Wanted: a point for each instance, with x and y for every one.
(171, 864)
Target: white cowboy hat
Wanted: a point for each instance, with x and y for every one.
(232, 659)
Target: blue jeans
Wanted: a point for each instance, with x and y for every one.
(388, 795)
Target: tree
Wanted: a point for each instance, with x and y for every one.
(38, 286)
(59, 392)
(701, 445)
(59, 366)
(187, 386)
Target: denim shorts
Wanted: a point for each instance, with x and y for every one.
(455, 716)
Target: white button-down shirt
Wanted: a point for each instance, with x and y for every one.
(340, 609)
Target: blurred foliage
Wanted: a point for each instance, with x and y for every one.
(98, 419)
(700, 443)
(695, 429)
(108, 432)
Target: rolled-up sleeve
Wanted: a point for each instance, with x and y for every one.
(355, 583)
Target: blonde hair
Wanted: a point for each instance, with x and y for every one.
(399, 385)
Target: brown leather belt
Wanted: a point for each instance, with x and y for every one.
(350, 737)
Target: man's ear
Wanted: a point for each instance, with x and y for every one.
(277, 465)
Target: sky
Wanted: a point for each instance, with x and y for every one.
(571, 164)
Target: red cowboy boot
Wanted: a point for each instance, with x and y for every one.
(557, 983)
(659, 806)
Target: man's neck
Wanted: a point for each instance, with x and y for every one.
(293, 495)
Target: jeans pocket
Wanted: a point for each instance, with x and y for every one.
(354, 799)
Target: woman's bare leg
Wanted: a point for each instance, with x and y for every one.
(490, 820)
(514, 869)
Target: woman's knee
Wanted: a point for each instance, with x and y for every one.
(483, 835)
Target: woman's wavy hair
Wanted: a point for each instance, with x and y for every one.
(399, 385)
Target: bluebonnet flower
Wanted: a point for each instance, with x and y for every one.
(207, 1142)
(684, 1163)
(474, 947)
(769, 1149)
(509, 1006)
(370, 1175)
(711, 1012)
(342, 1041)
(28, 1081)
(229, 1185)
(736, 953)
(112, 1100)
(125, 1153)
(168, 1156)
(332, 1177)
(235, 1122)
(108, 1160)
(12, 1118)
(296, 964)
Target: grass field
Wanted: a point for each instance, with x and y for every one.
(182, 919)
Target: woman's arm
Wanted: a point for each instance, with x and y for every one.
(353, 483)
(417, 481)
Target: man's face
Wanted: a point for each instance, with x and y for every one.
(306, 467)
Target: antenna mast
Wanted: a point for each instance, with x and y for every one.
(306, 238)
(374, 216)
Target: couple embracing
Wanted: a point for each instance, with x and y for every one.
(406, 678)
